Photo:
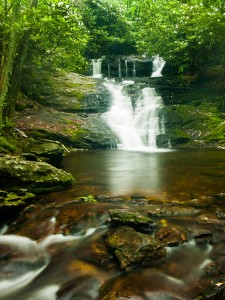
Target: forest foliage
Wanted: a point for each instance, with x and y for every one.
(50, 34)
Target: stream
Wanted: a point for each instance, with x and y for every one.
(56, 249)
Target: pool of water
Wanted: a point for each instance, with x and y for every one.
(161, 174)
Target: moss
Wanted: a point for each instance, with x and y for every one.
(7, 145)
(89, 199)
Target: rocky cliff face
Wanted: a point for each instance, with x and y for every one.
(68, 108)
(65, 107)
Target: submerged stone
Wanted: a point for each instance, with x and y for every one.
(220, 213)
(132, 219)
(220, 198)
(202, 235)
(35, 177)
(202, 201)
(210, 219)
(147, 284)
(171, 236)
(170, 211)
(135, 248)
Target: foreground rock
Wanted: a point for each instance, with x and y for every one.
(134, 248)
(132, 219)
(48, 151)
(35, 177)
(11, 199)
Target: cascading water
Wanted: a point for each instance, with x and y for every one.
(135, 126)
(97, 67)
(157, 65)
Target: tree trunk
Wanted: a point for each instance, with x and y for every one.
(15, 80)
(8, 56)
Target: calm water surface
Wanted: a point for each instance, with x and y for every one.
(162, 174)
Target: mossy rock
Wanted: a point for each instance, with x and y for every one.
(35, 177)
(134, 248)
(132, 219)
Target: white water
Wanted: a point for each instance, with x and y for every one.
(97, 67)
(138, 125)
(157, 65)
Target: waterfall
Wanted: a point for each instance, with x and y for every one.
(119, 69)
(134, 69)
(157, 65)
(138, 125)
(97, 67)
(126, 67)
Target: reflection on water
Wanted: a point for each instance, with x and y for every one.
(119, 172)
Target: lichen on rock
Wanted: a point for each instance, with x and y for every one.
(37, 177)
(134, 248)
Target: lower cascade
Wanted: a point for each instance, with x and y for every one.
(136, 122)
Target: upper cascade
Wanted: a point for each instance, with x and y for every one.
(127, 66)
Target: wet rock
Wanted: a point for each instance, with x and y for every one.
(210, 219)
(155, 211)
(48, 151)
(142, 285)
(171, 236)
(220, 198)
(216, 291)
(79, 217)
(202, 201)
(202, 235)
(132, 219)
(134, 248)
(68, 109)
(36, 177)
(74, 289)
(173, 211)
(11, 199)
(220, 213)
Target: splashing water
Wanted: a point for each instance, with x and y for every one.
(157, 65)
(97, 67)
(136, 126)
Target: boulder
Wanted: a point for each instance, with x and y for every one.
(135, 248)
(48, 151)
(36, 177)
(132, 219)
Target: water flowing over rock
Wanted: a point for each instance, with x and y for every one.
(134, 248)
(136, 121)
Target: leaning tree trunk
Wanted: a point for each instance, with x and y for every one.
(9, 51)
(15, 80)
(14, 86)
